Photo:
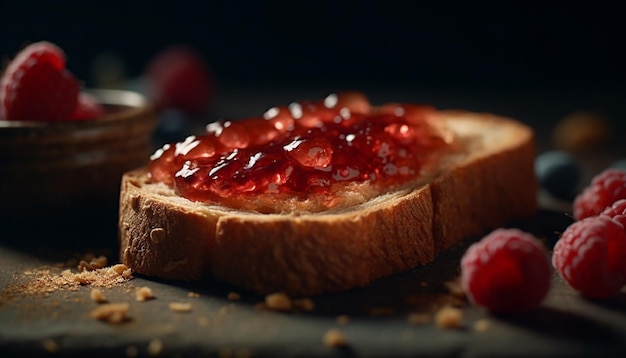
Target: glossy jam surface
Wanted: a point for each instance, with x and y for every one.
(302, 150)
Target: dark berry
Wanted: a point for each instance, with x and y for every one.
(558, 173)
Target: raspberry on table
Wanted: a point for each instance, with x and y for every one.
(590, 256)
(605, 189)
(507, 271)
(617, 212)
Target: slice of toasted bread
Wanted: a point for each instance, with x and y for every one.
(489, 182)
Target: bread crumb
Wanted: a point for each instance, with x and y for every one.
(97, 295)
(482, 325)
(100, 276)
(334, 338)
(305, 304)
(233, 296)
(132, 351)
(119, 268)
(44, 281)
(193, 294)
(342, 319)
(449, 317)
(180, 307)
(202, 321)
(91, 263)
(111, 312)
(127, 273)
(51, 346)
(455, 288)
(278, 301)
(155, 347)
(143, 294)
(419, 318)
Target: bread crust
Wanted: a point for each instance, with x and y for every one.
(489, 184)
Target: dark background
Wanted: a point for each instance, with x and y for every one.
(383, 43)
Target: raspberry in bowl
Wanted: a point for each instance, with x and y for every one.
(65, 148)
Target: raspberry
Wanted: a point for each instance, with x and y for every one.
(605, 188)
(617, 212)
(507, 271)
(179, 78)
(590, 256)
(88, 108)
(37, 87)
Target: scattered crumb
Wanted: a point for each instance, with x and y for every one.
(482, 325)
(111, 312)
(419, 318)
(132, 351)
(93, 263)
(46, 280)
(305, 304)
(233, 296)
(278, 301)
(155, 347)
(455, 288)
(449, 317)
(97, 295)
(334, 338)
(193, 295)
(143, 294)
(202, 321)
(122, 270)
(342, 319)
(424, 284)
(51, 346)
(105, 277)
(180, 306)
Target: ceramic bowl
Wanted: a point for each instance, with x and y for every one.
(69, 173)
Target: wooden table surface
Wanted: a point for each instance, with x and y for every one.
(376, 320)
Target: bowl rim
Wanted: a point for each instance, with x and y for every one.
(115, 97)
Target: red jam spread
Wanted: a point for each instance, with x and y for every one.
(301, 150)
